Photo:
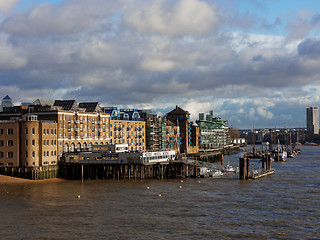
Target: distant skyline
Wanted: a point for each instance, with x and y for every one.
(254, 63)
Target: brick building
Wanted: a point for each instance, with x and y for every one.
(189, 133)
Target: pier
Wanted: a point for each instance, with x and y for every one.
(246, 174)
(90, 171)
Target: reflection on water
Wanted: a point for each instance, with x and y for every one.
(283, 205)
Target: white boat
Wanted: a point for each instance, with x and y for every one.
(215, 173)
(229, 169)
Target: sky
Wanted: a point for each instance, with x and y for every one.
(254, 63)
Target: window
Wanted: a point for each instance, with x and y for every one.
(26, 164)
(1, 131)
(44, 142)
(1, 143)
(33, 154)
(33, 131)
(26, 131)
(44, 131)
(51, 153)
(1, 154)
(44, 153)
(48, 131)
(10, 164)
(10, 131)
(53, 162)
(10, 154)
(26, 154)
(47, 153)
(55, 131)
(48, 142)
(51, 131)
(10, 143)
(51, 142)
(33, 142)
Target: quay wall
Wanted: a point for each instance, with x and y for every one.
(33, 173)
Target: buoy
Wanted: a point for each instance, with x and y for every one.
(78, 196)
(147, 187)
(181, 181)
(180, 186)
(159, 195)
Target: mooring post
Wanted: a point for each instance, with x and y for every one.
(81, 173)
(221, 159)
(242, 168)
(248, 167)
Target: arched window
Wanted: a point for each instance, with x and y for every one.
(72, 147)
(66, 147)
(84, 146)
(90, 146)
(79, 147)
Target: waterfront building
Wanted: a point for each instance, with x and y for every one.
(312, 118)
(26, 141)
(188, 132)
(128, 132)
(126, 127)
(6, 103)
(76, 129)
(155, 130)
(173, 137)
(214, 132)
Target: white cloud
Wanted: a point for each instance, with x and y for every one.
(183, 17)
(264, 113)
(11, 57)
(7, 5)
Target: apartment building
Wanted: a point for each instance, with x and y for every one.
(26, 141)
(214, 131)
(188, 131)
(173, 138)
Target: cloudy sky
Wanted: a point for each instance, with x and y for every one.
(253, 62)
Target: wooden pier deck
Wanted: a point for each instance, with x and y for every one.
(263, 174)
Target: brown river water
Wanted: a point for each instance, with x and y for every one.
(285, 205)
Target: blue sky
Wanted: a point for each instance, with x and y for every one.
(254, 63)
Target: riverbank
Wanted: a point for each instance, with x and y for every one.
(7, 179)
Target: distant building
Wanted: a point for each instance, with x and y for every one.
(214, 131)
(312, 120)
(6, 103)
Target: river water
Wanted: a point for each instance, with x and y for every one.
(285, 205)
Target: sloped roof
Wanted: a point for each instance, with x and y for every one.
(43, 102)
(177, 111)
(90, 106)
(66, 105)
(7, 97)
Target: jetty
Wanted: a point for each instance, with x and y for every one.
(246, 174)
